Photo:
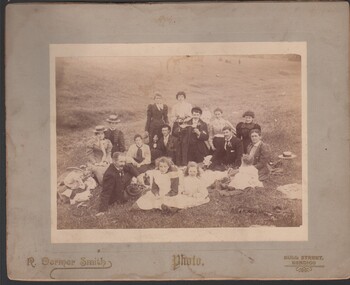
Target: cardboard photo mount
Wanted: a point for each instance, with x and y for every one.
(34, 32)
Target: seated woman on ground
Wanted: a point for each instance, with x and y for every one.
(247, 175)
(260, 153)
(98, 152)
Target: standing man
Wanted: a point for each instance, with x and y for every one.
(192, 135)
(157, 116)
(115, 180)
(114, 135)
(168, 143)
(228, 152)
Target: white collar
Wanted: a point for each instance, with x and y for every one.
(229, 138)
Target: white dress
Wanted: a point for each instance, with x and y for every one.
(246, 177)
(193, 194)
(151, 201)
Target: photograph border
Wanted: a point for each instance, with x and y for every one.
(178, 234)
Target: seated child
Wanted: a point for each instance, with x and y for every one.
(247, 175)
(164, 183)
(192, 185)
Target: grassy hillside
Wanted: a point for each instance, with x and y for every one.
(91, 88)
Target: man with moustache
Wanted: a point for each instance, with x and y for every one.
(115, 180)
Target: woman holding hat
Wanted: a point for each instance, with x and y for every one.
(261, 154)
(98, 152)
(114, 135)
(243, 129)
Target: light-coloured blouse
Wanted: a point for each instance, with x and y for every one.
(215, 129)
(181, 110)
(131, 154)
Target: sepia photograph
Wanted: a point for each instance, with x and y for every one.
(182, 141)
(177, 141)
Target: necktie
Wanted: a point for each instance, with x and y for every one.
(226, 143)
(139, 154)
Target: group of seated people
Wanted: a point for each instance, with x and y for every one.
(183, 139)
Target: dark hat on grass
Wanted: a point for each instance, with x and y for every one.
(135, 190)
(197, 110)
(113, 119)
(100, 129)
(249, 113)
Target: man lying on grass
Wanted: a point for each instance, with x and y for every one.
(115, 180)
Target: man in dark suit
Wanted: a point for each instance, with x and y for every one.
(192, 136)
(115, 180)
(168, 143)
(228, 152)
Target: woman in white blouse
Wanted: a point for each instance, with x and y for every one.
(182, 109)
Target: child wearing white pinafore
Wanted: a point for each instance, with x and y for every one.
(247, 175)
(193, 192)
(164, 185)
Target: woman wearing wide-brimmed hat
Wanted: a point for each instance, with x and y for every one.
(114, 135)
(261, 154)
(98, 152)
(243, 129)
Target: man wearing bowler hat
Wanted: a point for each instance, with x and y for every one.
(114, 135)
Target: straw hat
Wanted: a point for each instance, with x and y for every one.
(287, 155)
(113, 119)
(100, 129)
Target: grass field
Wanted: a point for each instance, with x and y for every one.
(89, 89)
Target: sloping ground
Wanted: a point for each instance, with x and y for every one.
(89, 89)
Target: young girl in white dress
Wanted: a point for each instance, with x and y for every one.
(247, 175)
(164, 184)
(192, 192)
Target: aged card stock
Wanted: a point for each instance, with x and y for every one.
(272, 75)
